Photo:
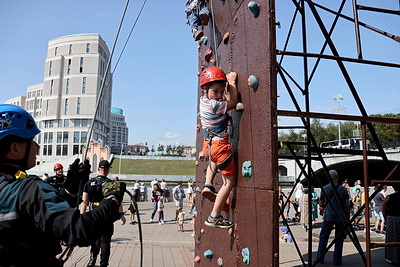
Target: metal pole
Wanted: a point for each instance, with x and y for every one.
(366, 197)
(120, 158)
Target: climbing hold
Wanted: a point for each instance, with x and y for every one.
(197, 258)
(208, 55)
(246, 255)
(196, 162)
(213, 61)
(208, 254)
(230, 231)
(254, 9)
(252, 81)
(198, 48)
(202, 231)
(226, 38)
(204, 40)
(198, 189)
(219, 262)
(247, 171)
(239, 106)
(198, 127)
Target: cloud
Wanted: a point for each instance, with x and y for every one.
(169, 135)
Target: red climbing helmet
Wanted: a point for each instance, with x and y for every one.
(212, 74)
(58, 166)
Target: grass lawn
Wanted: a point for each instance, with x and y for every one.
(154, 167)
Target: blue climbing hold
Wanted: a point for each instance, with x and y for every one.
(208, 254)
(246, 256)
(204, 40)
(198, 189)
(254, 9)
(247, 171)
(252, 81)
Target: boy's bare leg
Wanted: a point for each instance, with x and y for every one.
(223, 193)
(208, 190)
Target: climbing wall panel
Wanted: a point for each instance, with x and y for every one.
(250, 50)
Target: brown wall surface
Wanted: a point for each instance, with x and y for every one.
(254, 202)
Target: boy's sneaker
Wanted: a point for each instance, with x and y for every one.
(197, 35)
(209, 193)
(219, 222)
(204, 18)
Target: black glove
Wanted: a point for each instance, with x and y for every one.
(84, 171)
(114, 190)
(76, 173)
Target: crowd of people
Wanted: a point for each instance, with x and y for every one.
(383, 207)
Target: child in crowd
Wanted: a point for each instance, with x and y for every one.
(197, 14)
(219, 96)
(160, 209)
(132, 215)
(181, 217)
(286, 237)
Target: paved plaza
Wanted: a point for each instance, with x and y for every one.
(163, 245)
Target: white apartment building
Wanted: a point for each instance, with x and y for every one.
(64, 104)
(119, 131)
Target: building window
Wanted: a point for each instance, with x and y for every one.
(69, 66)
(65, 137)
(59, 138)
(66, 107)
(55, 51)
(83, 137)
(84, 123)
(45, 137)
(84, 85)
(51, 137)
(75, 149)
(51, 87)
(81, 65)
(76, 137)
(47, 107)
(67, 87)
(45, 150)
(66, 123)
(70, 49)
(50, 67)
(87, 47)
(58, 150)
(65, 150)
(59, 123)
(78, 106)
(50, 150)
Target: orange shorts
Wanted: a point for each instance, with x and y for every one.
(220, 151)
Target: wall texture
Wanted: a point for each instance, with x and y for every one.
(250, 50)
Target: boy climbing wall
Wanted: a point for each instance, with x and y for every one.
(219, 96)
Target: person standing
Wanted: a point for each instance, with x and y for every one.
(36, 217)
(314, 199)
(164, 188)
(135, 191)
(157, 192)
(58, 179)
(391, 212)
(160, 209)
(142, 192)
(333, 219)
(93, 196)
(179, 195)
(378, 200)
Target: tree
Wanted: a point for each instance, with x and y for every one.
(179, 150)
(160, 148)
(168, 149)
(152, 149)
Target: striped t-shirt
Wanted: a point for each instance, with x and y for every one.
(212, 112)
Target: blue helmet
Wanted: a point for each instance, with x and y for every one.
(14, 120)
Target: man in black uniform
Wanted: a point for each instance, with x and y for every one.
(93, 196)
(57, 180)
(34, 216)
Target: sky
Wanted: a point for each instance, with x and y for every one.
(155, 82)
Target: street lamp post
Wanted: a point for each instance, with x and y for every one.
(338, 98)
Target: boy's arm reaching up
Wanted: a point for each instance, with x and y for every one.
(231, 94)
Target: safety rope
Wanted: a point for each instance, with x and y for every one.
(214, 35)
